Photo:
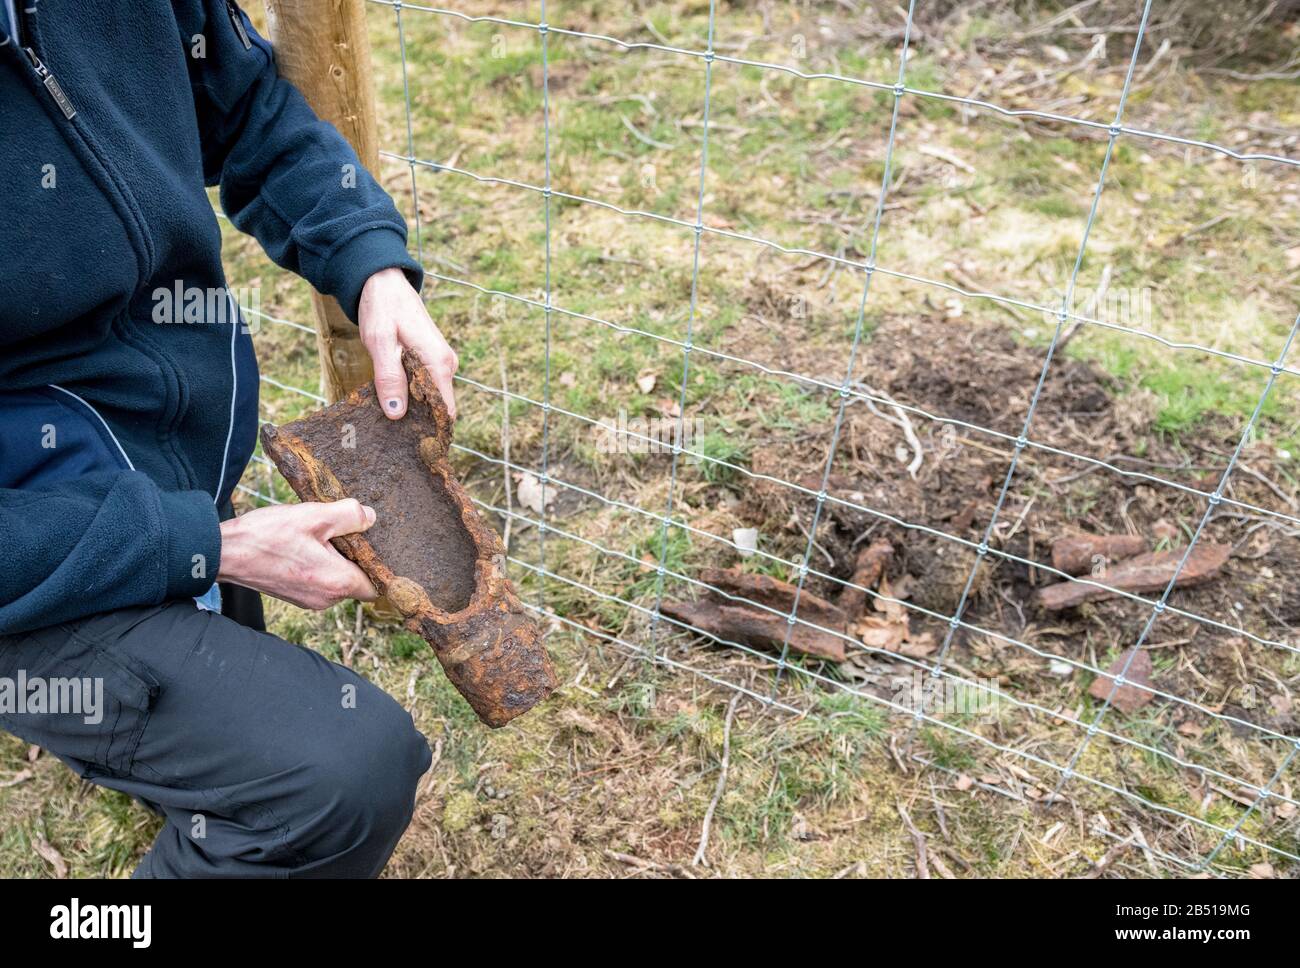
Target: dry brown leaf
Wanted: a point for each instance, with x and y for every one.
(892, 609)
(50, 855)
(891, 630)
(22, 776)
(880, 633)
(669, 408)
(919, 647)
(532, 495)
(902, 586)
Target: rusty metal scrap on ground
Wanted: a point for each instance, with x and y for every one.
(1146, 573)
(752, 609)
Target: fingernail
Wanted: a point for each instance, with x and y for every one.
(394, 404)
(370, 514)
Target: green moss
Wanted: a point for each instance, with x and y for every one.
(460, 812)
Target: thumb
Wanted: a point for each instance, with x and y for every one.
(348, 516)
(390, 378)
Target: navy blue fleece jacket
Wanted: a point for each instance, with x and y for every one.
(119, 434)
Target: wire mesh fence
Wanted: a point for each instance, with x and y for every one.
(606, 566)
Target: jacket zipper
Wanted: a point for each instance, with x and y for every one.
(60, 97)
(51, 84)
(128, 210)
(41, 71)
(238, 22)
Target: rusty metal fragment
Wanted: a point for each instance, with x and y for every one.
(1078, 554)
(728, 614)
(429, 551)
(868, 568)
(1150, 572)
(773, 593)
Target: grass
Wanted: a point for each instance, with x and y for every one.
(623, 762)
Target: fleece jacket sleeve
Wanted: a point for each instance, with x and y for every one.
(287, 177)
(102, 541)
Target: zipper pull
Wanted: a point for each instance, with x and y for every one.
(51, 84)
(238, 22)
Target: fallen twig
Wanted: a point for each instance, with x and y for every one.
(644, 139)
(1107, 859)
(918, 839)
(900, 420)
(649, 865)
(699, 859)
(1290, 501)
(948, 156)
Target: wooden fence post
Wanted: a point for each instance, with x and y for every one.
(323, 48)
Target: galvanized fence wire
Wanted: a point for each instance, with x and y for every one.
(843, 583)
(1263, 792)
(863, 82)
(1159, 607)
(1052, 714)
(663, 520)
(837, 260)
(772, 663)
(992, 690)
(410, 139)
(899, 522)
(545, 478)
(885, 178)
(850, 392)
(856, 394)
(982, 550)
(690, 331)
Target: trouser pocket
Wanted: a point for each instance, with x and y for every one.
(66, 692)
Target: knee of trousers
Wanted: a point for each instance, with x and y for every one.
(355, 794)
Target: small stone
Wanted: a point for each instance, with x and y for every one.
(1059, 668)
(746, 541)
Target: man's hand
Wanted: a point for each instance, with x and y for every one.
(393, 318)
(285, 552)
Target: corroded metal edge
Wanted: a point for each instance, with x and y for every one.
(491, 650)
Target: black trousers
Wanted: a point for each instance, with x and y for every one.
(243, 605)
(266, 759)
